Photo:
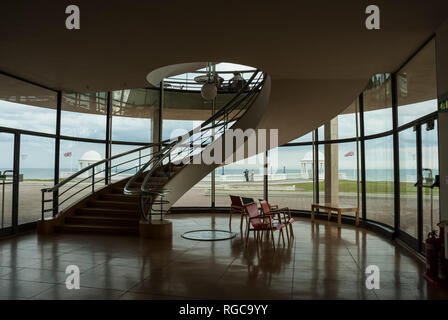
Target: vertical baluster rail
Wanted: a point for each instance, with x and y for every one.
(93, 179)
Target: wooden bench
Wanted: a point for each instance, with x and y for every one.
(339, 209)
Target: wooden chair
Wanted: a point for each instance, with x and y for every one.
(261, 223)
(237, 207)
(283, 214)
(273, 206)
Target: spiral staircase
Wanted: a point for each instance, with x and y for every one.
(163, 173)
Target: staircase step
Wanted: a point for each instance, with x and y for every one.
(116, 190)
(162, 179)
(155, 180)
(101, 221)
(157, 184)
(122, 205)
(118, 197)
(107, 212)
(128, 230)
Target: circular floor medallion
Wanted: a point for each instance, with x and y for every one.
(208, 235)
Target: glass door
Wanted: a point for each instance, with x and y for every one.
(430, 168)
(408, 178)
(6, 182)
(419, 197)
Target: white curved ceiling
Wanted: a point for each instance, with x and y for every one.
(318, 53)
(120, 42)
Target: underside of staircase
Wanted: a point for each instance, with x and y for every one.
(111, 211)
(116, 208)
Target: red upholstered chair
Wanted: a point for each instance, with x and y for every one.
(261, 223)
(237, 207)
(283, 215)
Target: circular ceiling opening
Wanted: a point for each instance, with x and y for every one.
(194, 75)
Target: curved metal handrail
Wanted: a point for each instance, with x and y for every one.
(218, 123)
(90, 167)
(158, 153)
(166, 151)
(81, 178)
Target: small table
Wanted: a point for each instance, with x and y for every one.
(337, 208)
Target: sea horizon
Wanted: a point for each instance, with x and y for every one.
(406, 175)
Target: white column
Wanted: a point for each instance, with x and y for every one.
(331, 163)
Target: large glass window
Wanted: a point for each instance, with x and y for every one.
(175, 128)
(27, 107)
(242, 178)
(305, 138)
(75, 156)
(328, 189)
(430, 166)
(198, 196)
(380, 180)
(339, 186)
(84, 115)
(408, 178)
(320, 133)
(377, 99)
(348, 175)
(37, 167)
(183, 111)
(290, 169)
(417, 86)
(291, 177)
(128, 165)
(321, 172)
(345, 125)
(348, 126)
(132, 113)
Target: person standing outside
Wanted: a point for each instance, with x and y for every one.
(246, 175)
(252, 176)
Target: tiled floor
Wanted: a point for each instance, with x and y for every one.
(320, 263)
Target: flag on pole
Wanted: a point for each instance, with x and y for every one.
(67, 154)
(349, 154)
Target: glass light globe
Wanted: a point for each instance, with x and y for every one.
(209, 91)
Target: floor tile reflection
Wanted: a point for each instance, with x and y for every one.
(321, 262)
